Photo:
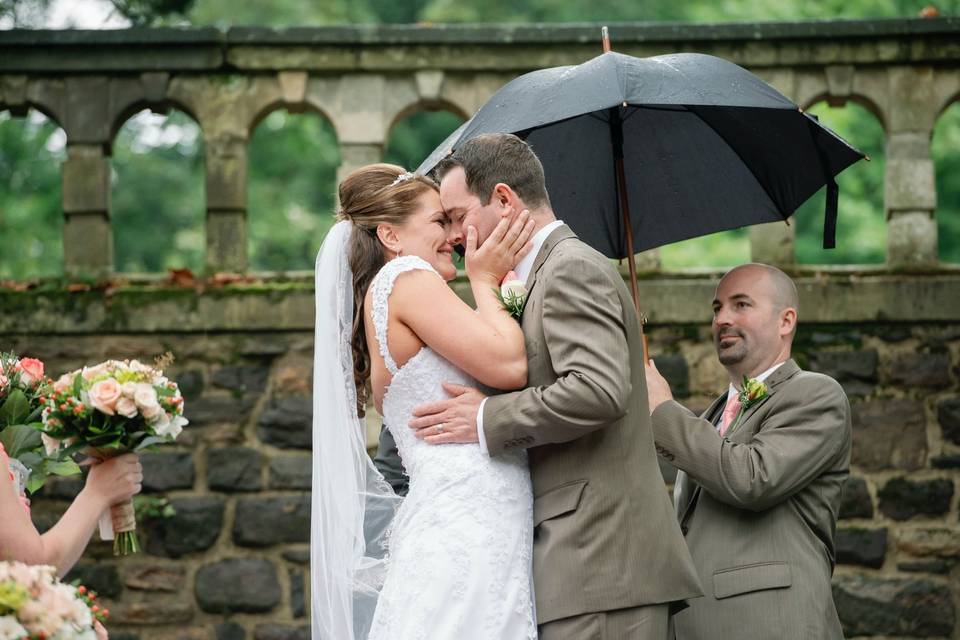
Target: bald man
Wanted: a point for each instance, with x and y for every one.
(760, 478)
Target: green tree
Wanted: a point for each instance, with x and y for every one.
(413, 138)
(861, 227)
(31, 222)
(946, 160)
(293, 161)
(157, 196)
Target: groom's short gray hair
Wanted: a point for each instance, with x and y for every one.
(499, 157)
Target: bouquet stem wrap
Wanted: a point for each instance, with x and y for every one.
(119, 523)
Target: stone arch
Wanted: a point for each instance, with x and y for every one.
(157, 189)
(418, 128)
(31, 198)
(132, 109)
(425, 105)
(292, 162)
(858, 99)
(861, 224)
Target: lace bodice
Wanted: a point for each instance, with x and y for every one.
(461, 544)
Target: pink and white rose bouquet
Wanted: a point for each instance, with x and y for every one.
(115, 407)
(34, 604)
(23, 390)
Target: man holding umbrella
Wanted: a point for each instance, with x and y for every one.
(609, 558)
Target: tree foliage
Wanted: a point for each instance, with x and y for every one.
(157, 164)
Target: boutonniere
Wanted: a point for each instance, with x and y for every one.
(752, 391)
(512, 294)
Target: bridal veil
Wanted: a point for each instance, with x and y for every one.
(352, 505)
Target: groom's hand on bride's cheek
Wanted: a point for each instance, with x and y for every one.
(451, 421)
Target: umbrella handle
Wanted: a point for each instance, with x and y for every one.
(643, 340)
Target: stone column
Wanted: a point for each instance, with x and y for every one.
(773, 244)
(87, 235)
(910, 196)
(354, 155)
(910, 199)
(226, 182)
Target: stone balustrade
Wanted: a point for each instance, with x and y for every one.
(365, 79)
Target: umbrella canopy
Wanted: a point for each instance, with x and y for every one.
(704, 146)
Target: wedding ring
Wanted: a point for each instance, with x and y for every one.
(439, 428)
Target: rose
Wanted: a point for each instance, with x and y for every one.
(146, 399)
(3, 381)
(513, 286)
(126, 407)
(104, 395)
(31, 370)
(64, 383)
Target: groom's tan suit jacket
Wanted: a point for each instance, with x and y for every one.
(605, 533)
(759, 508)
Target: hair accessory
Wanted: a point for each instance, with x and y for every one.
(403, 177)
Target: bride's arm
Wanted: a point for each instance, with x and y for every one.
(486, 343)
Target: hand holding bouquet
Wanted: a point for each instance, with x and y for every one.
(113, 408)
(34, 604)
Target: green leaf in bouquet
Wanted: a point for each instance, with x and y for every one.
(35, 482)
(62, 467)
(150, 441)
(19, 438)
(77, 384)
(36, 415)
(15, 408)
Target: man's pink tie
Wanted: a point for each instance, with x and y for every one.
(730, 412)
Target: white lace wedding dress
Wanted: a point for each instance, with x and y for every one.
(461, 543)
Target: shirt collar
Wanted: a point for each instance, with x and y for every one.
(760, 378)
(523, 267)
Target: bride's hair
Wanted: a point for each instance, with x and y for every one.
(370, 196)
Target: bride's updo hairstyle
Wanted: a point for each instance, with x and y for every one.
(370, 196)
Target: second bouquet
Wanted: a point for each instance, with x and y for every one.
(116, 407)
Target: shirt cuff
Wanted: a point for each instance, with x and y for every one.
(480, 437)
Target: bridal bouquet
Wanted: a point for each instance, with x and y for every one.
(23, 386)
(109, 409)
(34, 604)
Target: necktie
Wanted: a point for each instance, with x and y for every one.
(730, 412)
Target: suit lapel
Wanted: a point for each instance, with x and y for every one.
(559, 234)
(786, 371)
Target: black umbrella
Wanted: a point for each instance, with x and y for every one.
(642, 152)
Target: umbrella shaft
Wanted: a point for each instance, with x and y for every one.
(628, 235)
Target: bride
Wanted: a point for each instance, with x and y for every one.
(452, 559)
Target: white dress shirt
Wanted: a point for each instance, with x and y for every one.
(523, 272)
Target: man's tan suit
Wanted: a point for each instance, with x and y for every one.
(606, 537)
(759, 508)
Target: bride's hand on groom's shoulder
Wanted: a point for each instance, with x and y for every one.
(451, 421)
(501, 251)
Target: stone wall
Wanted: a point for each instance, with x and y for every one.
(233, 562)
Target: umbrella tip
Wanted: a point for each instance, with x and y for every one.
(605, 38)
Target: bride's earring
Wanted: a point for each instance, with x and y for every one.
(399, 252)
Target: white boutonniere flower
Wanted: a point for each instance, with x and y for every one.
(512, 294)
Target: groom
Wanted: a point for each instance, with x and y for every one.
(609, 558)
